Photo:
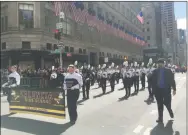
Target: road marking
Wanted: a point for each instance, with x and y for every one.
(138, 129)
(147, 131)
(153, 112)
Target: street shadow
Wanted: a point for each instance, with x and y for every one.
(122, 99)
(97, 96)
(160, 129)
(81, 101)
(33, 126)
(149, 102)
(121, 88)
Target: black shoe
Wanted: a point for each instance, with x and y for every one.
(159, 121)
(172, 115)
(72, 122)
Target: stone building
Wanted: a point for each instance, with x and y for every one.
(27, 36)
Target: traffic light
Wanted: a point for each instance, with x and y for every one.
(57, 34)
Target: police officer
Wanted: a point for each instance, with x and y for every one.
(117, 74)
(104, 77)
(72, 83)
(13, 81)
(162, 88)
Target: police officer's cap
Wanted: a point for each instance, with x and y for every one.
(161, 60)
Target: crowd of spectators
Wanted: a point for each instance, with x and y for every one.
(42, 77)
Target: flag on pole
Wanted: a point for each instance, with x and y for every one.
(57, 6)
(140, 17)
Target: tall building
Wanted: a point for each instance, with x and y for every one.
(167, 9)
(149, 23)
(27, 36)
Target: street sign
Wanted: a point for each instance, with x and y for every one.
(62, 15)
(59, 25)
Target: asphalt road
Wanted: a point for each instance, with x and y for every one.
(104, 115)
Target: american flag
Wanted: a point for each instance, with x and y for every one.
(57, 6)
(140, 17)
(91, 20)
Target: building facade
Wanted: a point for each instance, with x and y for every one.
(167, 9)
(27, 36)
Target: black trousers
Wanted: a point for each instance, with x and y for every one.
(72, 98)
(150, 89)
(103, 85)
(9, 96)
(98, 81)
(127, 85)
(86, 88)
(136, 83)
(143, 81)
(163, 98)
(112, 83)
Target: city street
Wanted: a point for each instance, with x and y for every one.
(105, 115)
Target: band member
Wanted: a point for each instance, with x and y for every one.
(132, 72)
(104, 78)
(86, 82)
(162, 82)
(142, 75)
(13, 81)
(72, 83)
(136, 78)
(99, 74)
(149, 74)
(127, 74)
(92, 76)
(117, 74)
(112, 77)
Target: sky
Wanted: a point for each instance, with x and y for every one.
(180, 14)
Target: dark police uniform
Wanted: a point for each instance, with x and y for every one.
(142, 77)
(72, 83)
(162, 82)
(111, 74)
(136, 80)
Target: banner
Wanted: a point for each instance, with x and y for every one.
(45, 103)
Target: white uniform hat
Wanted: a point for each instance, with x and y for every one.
(76, 63)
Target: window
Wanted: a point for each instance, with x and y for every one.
(26, 15)
(148, 22)
(84, 51)
(55, 46)
(46, 20)
(90, 5)
(2, 24)
(99, 10)
(147, 29)
(72, 49)
(48, 46)
(66, 49)
(3, 46)
(80, 50)
(6, 23)
(148, 45)
(143, 29)
(26, 45)
(102, 53)
(148, 37)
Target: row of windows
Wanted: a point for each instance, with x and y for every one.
(126, 13)
(102, 54)
(4, 23)
(27, 45)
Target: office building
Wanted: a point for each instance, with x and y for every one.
(27, 36)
